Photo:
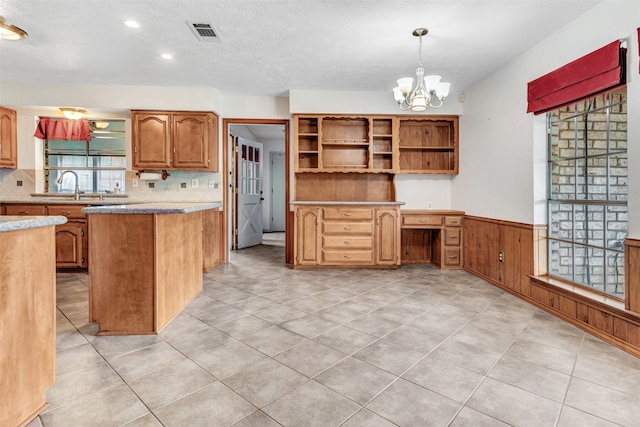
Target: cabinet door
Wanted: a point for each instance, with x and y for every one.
(193, 141)
(151, 140)
(210, 239)
(30, 210)
(70, 247)
(387, 249)
(8, 139)
(307, 237)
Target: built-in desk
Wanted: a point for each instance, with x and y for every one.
(431, 236)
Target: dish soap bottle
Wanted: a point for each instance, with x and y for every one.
(116, 189)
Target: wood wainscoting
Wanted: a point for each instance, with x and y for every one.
(522, 272)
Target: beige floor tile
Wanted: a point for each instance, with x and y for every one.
(273, 340)
(83, 356)
(170, 384)
(458, 351)
(280, 314)
(374, 324)
(148, 420)
(468, 417)
(356, 380)
(407, 404)
(147, 360)
(257, 419)
(212, 406)
(570, 417)
(309, 326)
(310, 358)
(243, 327)
(311, 405)
(366, 418)
(513, 405)
(112, 407)
(451, 381)
(603, 402)
(200, 341)
(385, 354)
(264, 381)
(345, 339)
(228, 359)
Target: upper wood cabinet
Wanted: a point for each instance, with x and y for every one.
(376, 144)
(8, 139)
(175, 140)
(428, 145)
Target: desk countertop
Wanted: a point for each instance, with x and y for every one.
(152, 208)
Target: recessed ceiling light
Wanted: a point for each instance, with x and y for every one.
(166, 56)
(132, 24)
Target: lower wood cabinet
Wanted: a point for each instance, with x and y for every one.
(71, 237)
(347, 236)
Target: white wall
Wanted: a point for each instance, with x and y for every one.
(501, 159)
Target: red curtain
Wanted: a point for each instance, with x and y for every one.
(593, 73)
(63, 129)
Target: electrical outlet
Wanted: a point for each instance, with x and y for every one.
(19, 183)
(211, 183)
(215, 185)
(194, 183)
(134, 183)
(501, 256)
(183, 185)
(429, 205)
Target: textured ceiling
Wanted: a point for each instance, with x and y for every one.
(269, 47)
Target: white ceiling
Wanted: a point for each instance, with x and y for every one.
(269, 47)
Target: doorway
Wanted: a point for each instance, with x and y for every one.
(274, 137)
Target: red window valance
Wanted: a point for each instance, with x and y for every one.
(598, 71)
(63, 129)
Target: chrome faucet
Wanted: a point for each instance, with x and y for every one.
(76, 192)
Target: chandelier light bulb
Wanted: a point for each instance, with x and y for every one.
(429, 91)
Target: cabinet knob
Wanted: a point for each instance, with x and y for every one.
(347, 214)
(347, 242)
(347, 256)
(453, 256)
(454, 236)
(348, 227)
(423, 220)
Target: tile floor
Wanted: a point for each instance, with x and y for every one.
(264, 345)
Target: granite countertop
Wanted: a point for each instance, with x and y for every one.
(13, 222)
(294, 202)
(152, 208)
(65, 200)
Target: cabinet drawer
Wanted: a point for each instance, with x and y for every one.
(347, 242)
(452, 236)
(347, 257)
(453, 221)
(70, 211)
(452, 257)
(421, 220)
(347, 213)
(346, 228)
(26, 210)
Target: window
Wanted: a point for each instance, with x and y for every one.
(587, 204)
(99, 163)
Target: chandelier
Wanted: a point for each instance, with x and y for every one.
(429, 90)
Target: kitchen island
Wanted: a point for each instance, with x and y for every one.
(145, 264)
(27, 315)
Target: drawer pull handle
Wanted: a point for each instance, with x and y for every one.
(347, 256)
(348, 228)
(423, 220)
(23, 213)
(347, 214)
(67, 213)
(453, 256)
(347, 242)
(454, 236)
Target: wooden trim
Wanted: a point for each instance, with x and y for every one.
(503, 222)
(632, 274)
(225, 177)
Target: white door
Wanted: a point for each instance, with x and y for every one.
(278, 185)
(249, 200)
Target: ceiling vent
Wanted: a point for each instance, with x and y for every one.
(204, 32)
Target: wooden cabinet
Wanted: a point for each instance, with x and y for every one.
(27, 323)
(376, 144)
(210, 239)
(428, 145)
(175, 140)
(346, 236)
(8, 139)
(340, 143)
(307, 236)
(432, 237)
(71, 237)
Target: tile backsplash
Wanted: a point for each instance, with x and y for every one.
(178, 187)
